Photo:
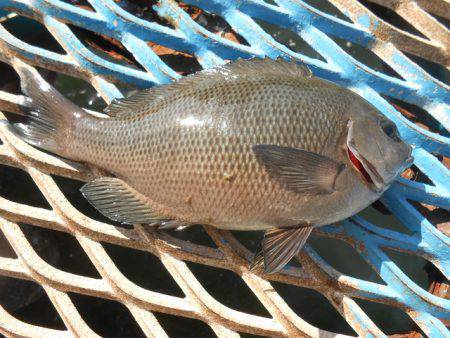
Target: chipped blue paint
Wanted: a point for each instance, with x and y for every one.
(364, 20)
(318, 29)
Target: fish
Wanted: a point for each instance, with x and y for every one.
(256, 144)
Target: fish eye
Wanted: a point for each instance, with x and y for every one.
(390, 129)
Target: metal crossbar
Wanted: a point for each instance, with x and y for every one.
(358, 26)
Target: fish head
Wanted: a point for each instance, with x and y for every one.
(375, 149)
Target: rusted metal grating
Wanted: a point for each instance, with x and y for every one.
(356, 24)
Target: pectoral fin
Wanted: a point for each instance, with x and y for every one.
(120, 202)
(299, 170)
(279, 246)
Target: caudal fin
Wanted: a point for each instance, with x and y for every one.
(51, 116)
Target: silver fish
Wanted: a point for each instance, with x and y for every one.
(255, 144)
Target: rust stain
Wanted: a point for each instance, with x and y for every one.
(189, 199)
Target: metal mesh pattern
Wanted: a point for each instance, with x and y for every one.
(318, 29)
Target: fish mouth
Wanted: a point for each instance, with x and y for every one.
(368, 172)
(370, 175)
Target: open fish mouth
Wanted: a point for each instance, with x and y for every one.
(370, 175)
(368, 172)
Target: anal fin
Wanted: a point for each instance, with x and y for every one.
(120, 202)
(279, 246)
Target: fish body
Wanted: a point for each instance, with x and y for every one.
(252, 145)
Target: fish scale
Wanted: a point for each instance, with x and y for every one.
(181, 152)
(253, 145)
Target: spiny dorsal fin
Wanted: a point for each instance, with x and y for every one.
(299, 170)
(279, 246)
(118, 201)
(255, 67)
(132, 104)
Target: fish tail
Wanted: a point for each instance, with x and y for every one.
(51, 116)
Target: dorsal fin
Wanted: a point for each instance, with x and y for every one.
(133, 103)
(145, 99)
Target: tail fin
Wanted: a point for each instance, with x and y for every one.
(51, 116)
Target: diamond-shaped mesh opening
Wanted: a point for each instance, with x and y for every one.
(107, 318)
(183, 327)
(390, 16)
(384, 219)
(60, 250)
(420, 117)
(366, 57)
(327, 7)
(5, 248)
(17, 186)
(135, 281)
(84, 4)
(436, 70)
(393, 320)
(143, 269)
(28, 302)
(79, 92)
(314, 308)
(344, 258)
(229, 289)
(290, 39)
(105, 47)
(213, 23)
(35, 33)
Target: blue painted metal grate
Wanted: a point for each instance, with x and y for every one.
(356, 25)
